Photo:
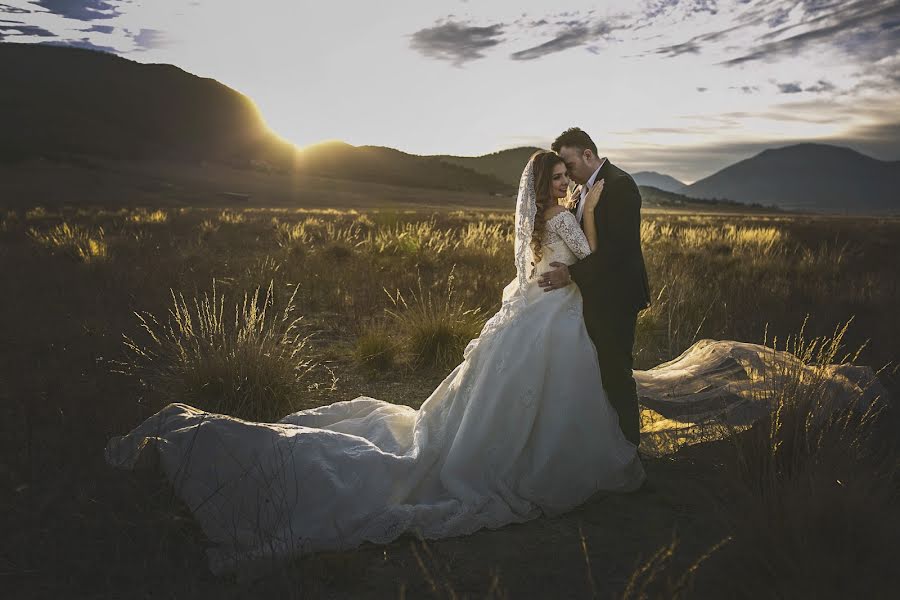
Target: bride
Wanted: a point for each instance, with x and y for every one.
(522, 427)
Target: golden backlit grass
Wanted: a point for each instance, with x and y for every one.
(76, 241)
(816, 487)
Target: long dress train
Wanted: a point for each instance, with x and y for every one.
(520, 428)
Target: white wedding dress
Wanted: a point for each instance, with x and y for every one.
(521, 428)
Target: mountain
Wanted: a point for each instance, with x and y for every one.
(60, 101)
(66, 104)
(816, 177)
(81, 109)
(658, 180)
(386, 165)
(506, 165)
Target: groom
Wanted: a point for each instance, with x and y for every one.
(612, 279)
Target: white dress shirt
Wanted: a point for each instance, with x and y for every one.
(579, 210)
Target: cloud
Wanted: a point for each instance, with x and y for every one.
(696, 162)
(693, 45)
(789, 88)
(100, 29)
(456, 42)
(820, 87)
(16, 30)
(858, 28)
(688, 47)
(148, 39)
(81, 10)
(655, 9)
(576, 34)
(569, 39)
(15, 10)
(881, 141)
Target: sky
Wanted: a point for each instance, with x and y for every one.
(683, 87)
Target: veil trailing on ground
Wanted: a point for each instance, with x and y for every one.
(717, 387)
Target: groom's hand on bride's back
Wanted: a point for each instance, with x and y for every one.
(555, 279)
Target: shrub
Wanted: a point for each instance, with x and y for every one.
(253, 366)
(143, 216)
(375, 351)
(436, 329)
(76, 241)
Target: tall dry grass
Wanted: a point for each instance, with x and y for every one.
(250, 362)
(815, 511)
(79, 242)
(436, 327)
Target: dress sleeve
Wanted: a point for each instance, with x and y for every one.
(566, 226)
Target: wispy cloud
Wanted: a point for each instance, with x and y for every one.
(15, 10)
(12, 29)
(821, 86)
(82, 10)
(865, 27)
(789, 88)
(456, 42)
(575, 36)
(694, 44)
(148, 39)
(100, 29)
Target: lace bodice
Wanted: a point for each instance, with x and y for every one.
(564, 242)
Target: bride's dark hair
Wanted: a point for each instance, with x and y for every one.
(543, 164)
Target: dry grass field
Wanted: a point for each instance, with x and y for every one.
(107, 315)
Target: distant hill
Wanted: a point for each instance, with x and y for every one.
(652, 197)
(386, 165)
(814, 177)
(658, 180)
(66, 104)
(506, 165)
(60, 101)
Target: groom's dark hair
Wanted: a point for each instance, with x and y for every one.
(574, 137)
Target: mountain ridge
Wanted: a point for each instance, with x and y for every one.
(658, 180)
(807, 176)
(61, 103)
(64, 104)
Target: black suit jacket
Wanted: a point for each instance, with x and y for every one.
(614, 275)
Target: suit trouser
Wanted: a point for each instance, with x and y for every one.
(613, 335)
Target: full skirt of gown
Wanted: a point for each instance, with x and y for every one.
(522, 427)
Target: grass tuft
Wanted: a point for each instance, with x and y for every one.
(252, 366)
(375, 351)
(816, 494)
(436, 328)
(74, 240)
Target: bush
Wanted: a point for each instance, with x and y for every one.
(253, 367)
(375, 351)
(76, 241)
(436, 329)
